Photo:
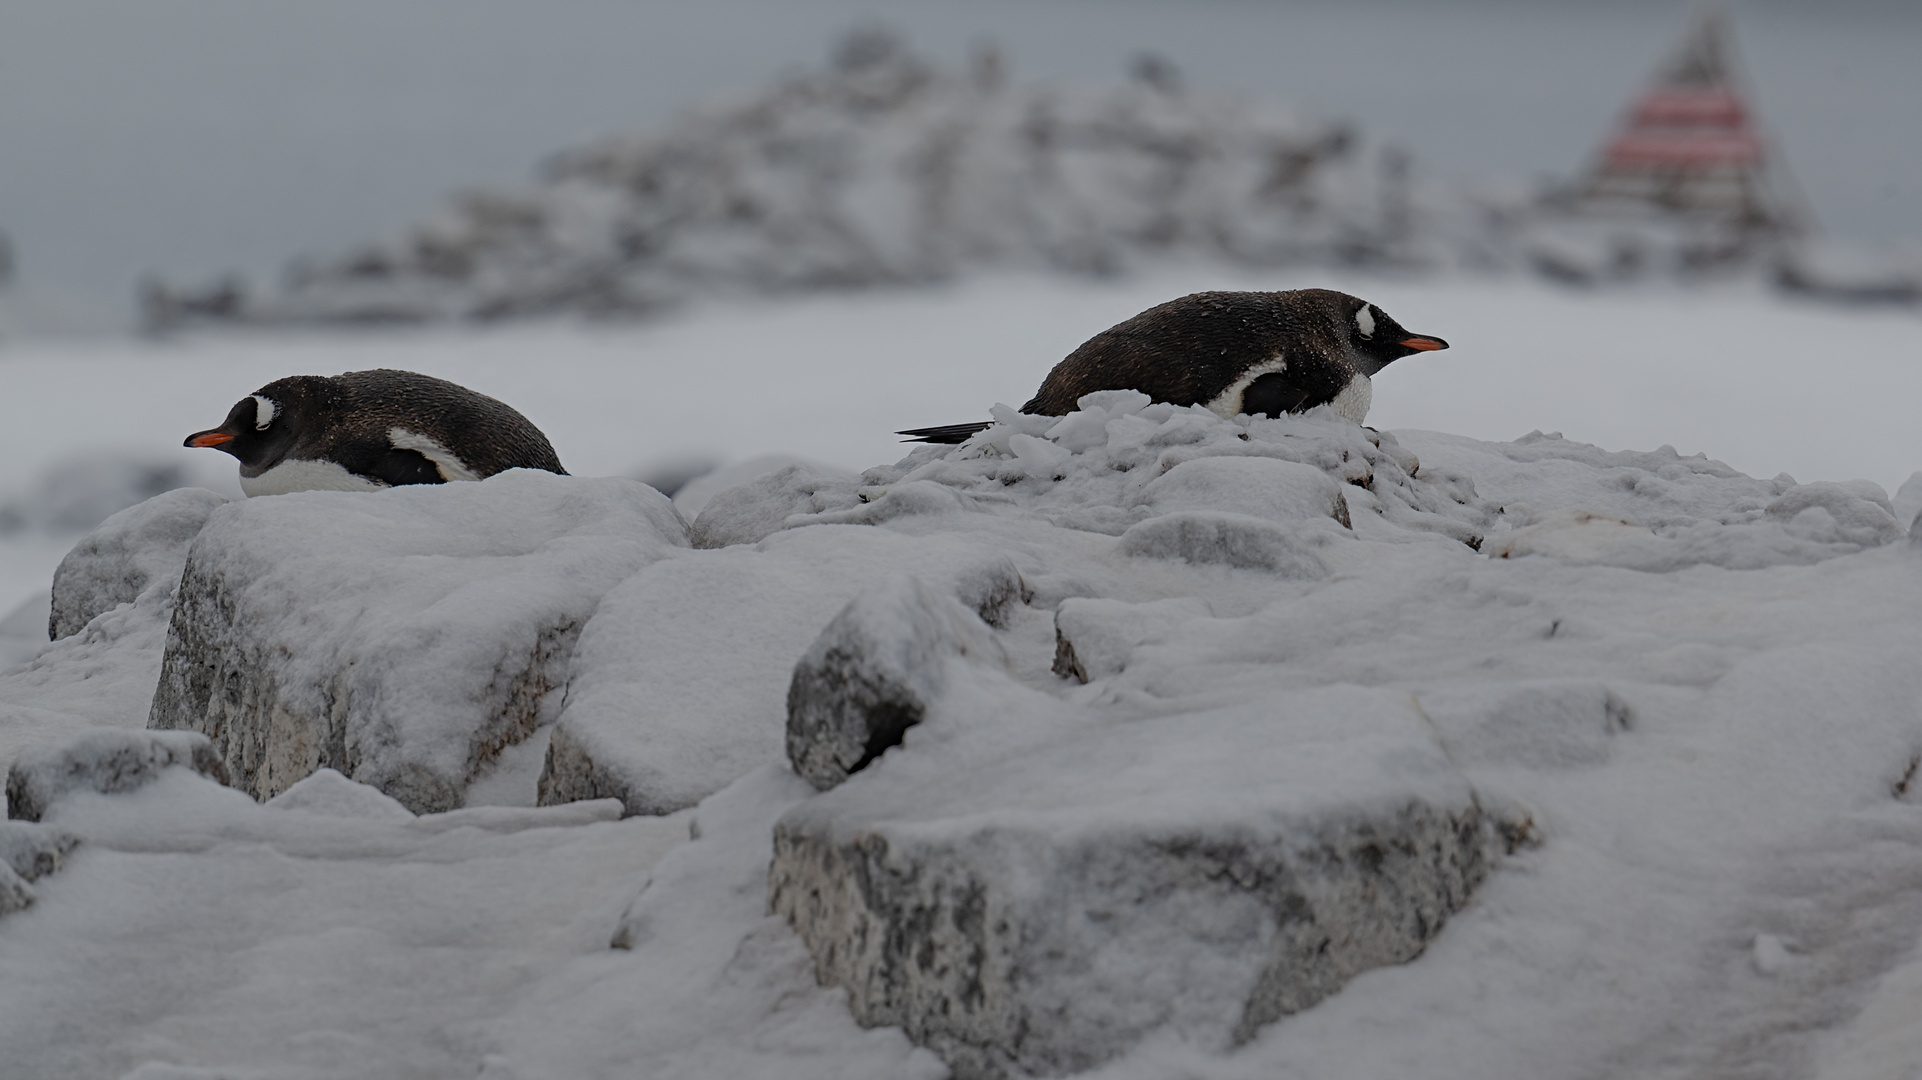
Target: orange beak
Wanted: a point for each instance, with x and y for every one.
(208, 438)
(1423, 344)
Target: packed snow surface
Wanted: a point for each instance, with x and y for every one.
(1689, 693)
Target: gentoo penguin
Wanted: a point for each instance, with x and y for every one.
(1233, 352)
(366, 430)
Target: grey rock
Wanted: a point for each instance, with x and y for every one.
(1204, 874)
(1236, 540)
(110, 761)
(873, 671)
(680, 682)
(389, 637)
(1093, 638)
(572, 774)
(141, 547)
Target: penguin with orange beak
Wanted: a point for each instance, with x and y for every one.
(1234, 352)
(367, 430)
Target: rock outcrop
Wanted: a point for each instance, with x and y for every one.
(1043, 907)
(873, 673)
(110, 761)
(402, 637)
(682, 681)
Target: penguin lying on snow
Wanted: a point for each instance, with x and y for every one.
(1233, 352)
(367, 430)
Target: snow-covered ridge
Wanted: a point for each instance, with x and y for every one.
(879, 168)
(1134, 735)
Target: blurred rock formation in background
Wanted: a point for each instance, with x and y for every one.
(880, 168)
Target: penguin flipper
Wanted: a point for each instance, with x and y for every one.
(947, 434)
(398, 466)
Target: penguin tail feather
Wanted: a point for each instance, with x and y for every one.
(947, 433)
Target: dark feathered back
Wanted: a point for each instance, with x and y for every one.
(488, 435)
(1186, 350)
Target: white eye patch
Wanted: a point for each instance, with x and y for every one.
(1365, 321)
(264, 410)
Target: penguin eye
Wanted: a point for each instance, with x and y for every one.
(1365, 320)
(264, 410)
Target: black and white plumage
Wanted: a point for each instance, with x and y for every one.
(366, 430)
(1233, 352)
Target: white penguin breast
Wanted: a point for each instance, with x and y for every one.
(302, 475)
(1353, 401)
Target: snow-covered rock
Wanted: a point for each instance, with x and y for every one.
(28, 852)
(681, 681)
(106, 760)
(1094, 637)
(1658, 511)
(749, 511)
(879, 168)
(403, 637)
(1688, 694)
(141, 547)
(874, 672)
(1039, 905)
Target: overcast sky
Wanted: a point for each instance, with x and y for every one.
(188, 137)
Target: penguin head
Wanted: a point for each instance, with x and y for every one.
(264, 425)
(1379, 340)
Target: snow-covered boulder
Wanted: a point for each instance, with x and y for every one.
(403, 637)
(141, 547)
(681, 680)
(874, 672)
(1200, 536)
(1657, 511)
(748, 512)
(1094, 638)
(28, 852)
(106, 760)
(1040, 897)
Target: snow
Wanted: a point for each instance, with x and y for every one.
(1689, 691)
(365, 945)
